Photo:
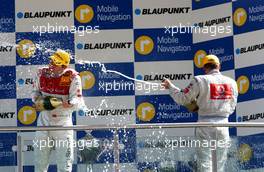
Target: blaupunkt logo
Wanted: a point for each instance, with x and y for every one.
(240, 17)
(252, 117)
(44, 14)
(216, 21)
(4, 115)
(198, 58)
(162, 11)
(26, 81)
(108, 112)
(84, 13)
(107, 45)
(6, 48)
(144, 45)
(26, 48)
(27, 115)
(161, 77)
(243, 84)
(88, 79)
(146, 111)
(250, 48)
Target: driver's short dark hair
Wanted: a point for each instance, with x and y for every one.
(210, 66)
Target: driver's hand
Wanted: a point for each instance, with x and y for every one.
(66, 104)
(39, 105)
(166, 83)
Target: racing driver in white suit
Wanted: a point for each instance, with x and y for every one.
(216, 98)
(64, 84)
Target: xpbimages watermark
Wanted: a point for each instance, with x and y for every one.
(212, 30)
(197, 143)
(186, 142)
(128, 86)
(80, 30)
(62, 143)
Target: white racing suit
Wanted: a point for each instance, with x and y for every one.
(216, 97)
(68, 87)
